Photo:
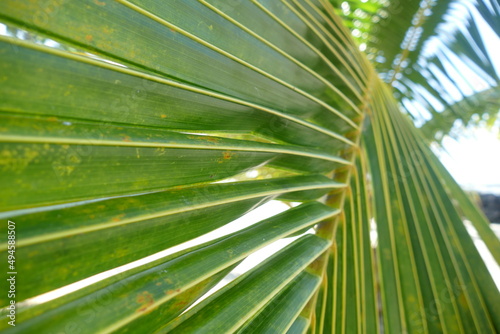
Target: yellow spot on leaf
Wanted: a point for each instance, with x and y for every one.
(17, 160)
(226, 155)
(205, 138)
(118, 218)
(145, 299)
(212, 139)
(107, 30)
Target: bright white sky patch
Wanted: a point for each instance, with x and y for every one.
(474, 159)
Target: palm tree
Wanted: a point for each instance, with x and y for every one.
(130, 128)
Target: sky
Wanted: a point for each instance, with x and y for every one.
(474, 159)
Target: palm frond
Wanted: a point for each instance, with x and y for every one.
(131, 133)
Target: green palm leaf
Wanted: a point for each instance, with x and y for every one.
(131, 133)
